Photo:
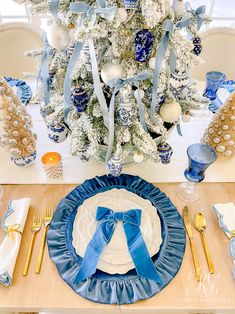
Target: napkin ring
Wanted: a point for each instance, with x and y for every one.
(10, 230)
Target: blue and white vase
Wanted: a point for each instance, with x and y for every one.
(131, 4)
(144, 40)
(165, 152)
(180, 85)
(126, 113)
(24, 161)
(80, 99)
(115, 166)
(57, 133)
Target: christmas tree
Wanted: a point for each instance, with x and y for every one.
(15, 127)
(220, 133)
(116, 73)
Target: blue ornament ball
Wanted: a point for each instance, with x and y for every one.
(144, 40)
(80, 99)
(197, 46)
(165, 152)
(115, 166)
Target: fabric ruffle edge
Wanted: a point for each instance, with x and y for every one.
(103, 287)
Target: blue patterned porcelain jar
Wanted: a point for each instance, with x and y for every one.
(80, 99)
(57, 133)
(131, 4)
(115, 166)
(165, 152)
(180, 85)
(24, 161)
(126, 114)
(143, 45)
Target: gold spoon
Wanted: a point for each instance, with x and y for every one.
(200, 225)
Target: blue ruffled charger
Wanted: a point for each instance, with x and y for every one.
(107, 288)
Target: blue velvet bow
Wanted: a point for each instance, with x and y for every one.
(108, 219)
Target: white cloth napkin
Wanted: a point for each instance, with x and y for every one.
(16, 215)
(226, 216)
(226, 219)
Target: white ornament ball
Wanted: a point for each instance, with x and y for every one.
(232, 118)
(138, 156)
(122, 14)
(111, 71)
(136, 92)
(228, 153)
(220, 148)
(227, 137)
(58, 36)
(211, 130)
(170, 112)
(186, 117)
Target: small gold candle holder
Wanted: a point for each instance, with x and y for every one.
(52, 165)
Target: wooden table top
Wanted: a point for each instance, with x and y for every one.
(48, 292)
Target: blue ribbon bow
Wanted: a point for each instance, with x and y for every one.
(168, 27)
(89, 13)
(117, 84)
(107, 220)
(43, 71)
(198, 14)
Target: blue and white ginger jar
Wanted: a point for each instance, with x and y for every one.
(165, 152)
(57, 133)
(144, 40)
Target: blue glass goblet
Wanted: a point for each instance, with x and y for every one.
(214, 80)
(200, 157)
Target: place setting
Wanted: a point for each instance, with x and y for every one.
(125, 117)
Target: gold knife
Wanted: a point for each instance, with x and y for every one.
(188, 226)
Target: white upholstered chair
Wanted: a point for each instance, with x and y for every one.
(218, 53)
(15, 40)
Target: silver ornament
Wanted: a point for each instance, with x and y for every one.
(138, 156)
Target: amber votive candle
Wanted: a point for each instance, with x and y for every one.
(52, 164)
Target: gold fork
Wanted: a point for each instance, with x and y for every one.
(46, 221)
(36, 226)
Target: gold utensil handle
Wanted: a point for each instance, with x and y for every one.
(28, 256)
(208, 255)
(195, 260)
(41, 251)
